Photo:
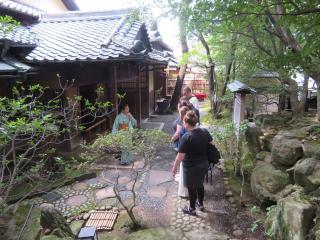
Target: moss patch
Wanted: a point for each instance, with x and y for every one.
(33, 227)
(150, 234)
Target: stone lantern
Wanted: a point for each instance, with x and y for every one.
(240, 90)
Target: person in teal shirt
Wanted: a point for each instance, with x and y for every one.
(124, 121)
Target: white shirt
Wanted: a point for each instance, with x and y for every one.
(194, 101)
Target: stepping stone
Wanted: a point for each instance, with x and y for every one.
(138, 164)
(229, 194)
(76, 200)
(157, 177)
(104, 193)
(159, 192)
(124, 180)
(94, 181)
(136, 187)
(80, 186)
(51, 197)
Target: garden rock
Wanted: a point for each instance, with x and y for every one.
(291, 218)
(253, 134)
(86, 216)
(310, 148)
(307, 173)
(238, 233)
(76, 226)
(272, 121)
(53, 220)
(267, 182)
(264, 156)
(286, 151)
(266, 141)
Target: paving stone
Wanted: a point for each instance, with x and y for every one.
(229, 194)
(104, 193)
(76, 200)
(80, 186)
(157, 191)
(179, 221)
(86, 216)
(124, 180)
(136, 187)
(139, 164)
(238, 233)
(51, 197)
(157, 177)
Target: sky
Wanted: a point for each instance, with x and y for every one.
(168, 27)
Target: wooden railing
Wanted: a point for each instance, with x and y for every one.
(90, 131)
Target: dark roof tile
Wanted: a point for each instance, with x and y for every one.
(19, 35)
(21, 8)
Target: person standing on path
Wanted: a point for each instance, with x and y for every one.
(176, 139)
(190, 97)
(124, 121)
(193, 154)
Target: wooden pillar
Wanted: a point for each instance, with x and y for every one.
(139, 97)
(238, 108)
(113, 93)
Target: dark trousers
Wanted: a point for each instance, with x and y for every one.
(194, 194)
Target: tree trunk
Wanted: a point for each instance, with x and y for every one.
(304, 93)
(296, 106)
(178, 88)
(211, 72)
(318, 101)
(183, 18)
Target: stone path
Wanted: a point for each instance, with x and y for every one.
(156, 190)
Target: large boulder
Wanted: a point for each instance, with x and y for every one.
(307, 173)
(291, 219)
(53, 222)
(267, 182)
(316, 228)
(271, 121)
(253, 134)
(286, 149)
(310, 147)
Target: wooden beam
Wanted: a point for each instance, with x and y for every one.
(139, 97)
(113, 92)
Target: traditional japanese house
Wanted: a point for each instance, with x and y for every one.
(97, 49)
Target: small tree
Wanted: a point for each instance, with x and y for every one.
(30, 132)
(142, 142)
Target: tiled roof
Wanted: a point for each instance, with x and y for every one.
(12, 65)
(20, 7)
(19, 36)
(239, 87)
(80, 36)
(159, 56)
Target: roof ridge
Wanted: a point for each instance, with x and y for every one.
(28, 5)
(83, 15)
(115, 31)
(15, 5)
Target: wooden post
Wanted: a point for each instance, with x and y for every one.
(139, 97)
(113, 93)
(238, 109)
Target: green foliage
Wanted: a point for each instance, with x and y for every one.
(255, 225)
(7, 24)
(139, 141)
(29, 133)
(255, 210)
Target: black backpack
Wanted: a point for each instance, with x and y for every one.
(213, 154)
